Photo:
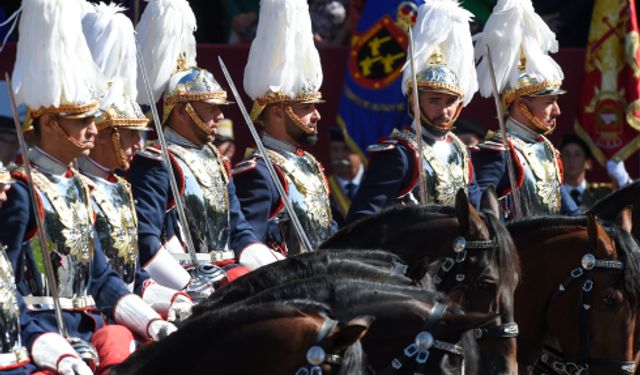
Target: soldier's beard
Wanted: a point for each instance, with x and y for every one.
(298, 135)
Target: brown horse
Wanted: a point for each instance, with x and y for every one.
(286, 338)
(580, 291)
(471, 255)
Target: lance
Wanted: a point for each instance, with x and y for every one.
(422, 179)
(503, 132)
(263, 153)
(199, 274)
(46, 255)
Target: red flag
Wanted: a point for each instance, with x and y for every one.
(609, 112)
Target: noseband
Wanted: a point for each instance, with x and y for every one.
(460, 246)
(552, 361)
(316, 355)
(423, 344)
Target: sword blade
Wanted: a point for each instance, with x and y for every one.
(422, 178)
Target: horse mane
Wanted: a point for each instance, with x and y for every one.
(615, 201)
(505, 254)
(629, 253)
(187, 342)
(396, 215)
(544, 222)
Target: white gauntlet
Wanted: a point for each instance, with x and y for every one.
(51, 351)
(165, 270)
(133, 313)
(168, 302)
(257, 255)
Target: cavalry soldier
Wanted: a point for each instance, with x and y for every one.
(119, 125)
(20, 329)
(446, 82)
(283, 76)
(528, 81)
(192, 110)
(62, 109)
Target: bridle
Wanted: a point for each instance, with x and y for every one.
(421, 347)
(552, 361)
(455, 264)
(317, 355)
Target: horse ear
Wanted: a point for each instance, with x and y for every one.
(597, 236)
(349, 333)
(462, 209)
(458, 324)
(625, 219)
(489, 202)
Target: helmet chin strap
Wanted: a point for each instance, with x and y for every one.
(196, 119)
(535, 121)
(296, 120)
(58, 129)
(117, 147)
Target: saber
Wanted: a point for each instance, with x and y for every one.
(172, 178)
(263, 153)
(503, 132)
(422, 178)
(46, 256)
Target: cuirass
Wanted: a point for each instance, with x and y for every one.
(117, 224)
(309, 196)
(540, 189)
(446, 168)
(205, 197)
(68, 222)
(9, 310)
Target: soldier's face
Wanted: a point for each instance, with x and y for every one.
(439, 108)
(210, 114)
(544, 108)
(82, 130)
(574, 161)
(344, 161)
(130, 143)
(309, 116)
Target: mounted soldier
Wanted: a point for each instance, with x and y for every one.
(110, 37)
(529, 83)
(59, 85)
(192, 109)
(446, 81)
(283, 77)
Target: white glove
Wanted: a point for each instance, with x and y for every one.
(257, 255)
(180, 308)
(167, 302)
(165, 270)
(159, 329)
(618, 172)
(133, 313)
(73, 366)
(51, 351)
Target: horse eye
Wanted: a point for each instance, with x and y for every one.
(485, 284)
(612, 301)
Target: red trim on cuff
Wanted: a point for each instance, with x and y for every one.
(179, 294)
(63, 357)
(148, 325)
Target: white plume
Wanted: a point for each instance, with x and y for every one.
(283, 56)
(512, 25)
(444, 24)
(53, 62)
(110, 36)
(165, 32)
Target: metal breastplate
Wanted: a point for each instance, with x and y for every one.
(117, 224)
(309, 196)
(205, 197)
(540, 189)
(446, 168)
(9, 310)
(68, 221)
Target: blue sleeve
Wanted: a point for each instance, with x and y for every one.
(257, 196)
(388, 172)
(140, 277)
(105, 285)
(567, 204)
(150, 187)
(241, 232)
(490, 170)
(30, 329)
(474, 192)
(16, 219)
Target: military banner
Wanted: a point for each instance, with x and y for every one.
(372, 103)
(609, 110)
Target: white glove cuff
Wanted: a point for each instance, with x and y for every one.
(174, 246)
(165, 270)
(257, 255)
(160, 297)
(133, 313)
(49, 349)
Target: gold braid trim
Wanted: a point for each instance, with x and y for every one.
(197, 120)
(195, 97)
(455, 90)
(296, 120)
(122, 123)
(535, 121)
(277, 97)
(511, 95)
(66, 109)
(117, 147)
(56, 127)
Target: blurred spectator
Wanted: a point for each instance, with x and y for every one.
(240, 20)
(8, 137)
(346, 177)
(329, 21)
(577, 160)
(469, 132)
(224, 140)
(569, 19)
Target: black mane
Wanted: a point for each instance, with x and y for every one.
(545, 221)
(505, 255)
(629, 253)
